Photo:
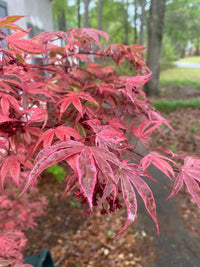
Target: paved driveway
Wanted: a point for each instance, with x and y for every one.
(187, 65)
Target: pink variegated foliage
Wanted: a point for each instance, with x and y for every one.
(16, 215)
(71, 107)
(11, 244)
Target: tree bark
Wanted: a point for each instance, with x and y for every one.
(135, 21)
(86, 15)
(78, 14)
(142, 21)
(126, 23)
(155, 34)
(100, 12)
(62, 20)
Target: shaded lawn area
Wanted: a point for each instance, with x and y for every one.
(180, 77)
(192, 59)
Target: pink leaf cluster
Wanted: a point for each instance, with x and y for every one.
(16, 215)
(11, 244)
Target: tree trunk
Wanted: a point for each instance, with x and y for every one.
(155, 33)
(126, 23)
(86, 15)
(142, 21)
(135, 21)
(78, 14)
(62, 21)
(100, 12)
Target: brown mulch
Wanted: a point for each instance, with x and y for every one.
(186, 123)
(78, 241)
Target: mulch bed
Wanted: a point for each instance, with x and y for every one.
(78, 241)
(186, 123)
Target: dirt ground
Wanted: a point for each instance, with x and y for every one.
(78, 241)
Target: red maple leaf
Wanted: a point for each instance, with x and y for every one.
(36, 115)
(63, 133)
(74, 98)
(189, 174)
(159, 161)
(130, 176)
(11, 166)
(23, 45)
(87, 162)
(145, 129)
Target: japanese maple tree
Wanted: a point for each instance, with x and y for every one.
(72, 106)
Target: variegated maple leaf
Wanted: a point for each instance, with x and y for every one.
(23, 45)
(145, 129)
(63, 151)
(159, 161)
(109, 135)
(131, 180)
(92, 166)
(11, 166)
(189, 174)
(8, 22)
(63, 133)
(36, 115)
(74, 98)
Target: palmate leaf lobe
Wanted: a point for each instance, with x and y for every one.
(11, 165)
(159, 161)
(87, 174)
(189, 174)
(75, 99)
(131, 180)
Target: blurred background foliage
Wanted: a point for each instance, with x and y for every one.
(127, 22)
(58, 172)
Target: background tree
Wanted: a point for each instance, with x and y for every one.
(155, 34)
(78, 14)
(126, 22)
(86, 14)
(135, 3)
(125, 30)
(67, 14)
(100, 13)
(142, 20)
(176, 25)
(182, 24)
(59, 8)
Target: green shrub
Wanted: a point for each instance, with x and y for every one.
(168, 54)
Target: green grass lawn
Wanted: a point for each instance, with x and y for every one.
(179, 80)
(171, 105)
(179, 77)
(190, 59)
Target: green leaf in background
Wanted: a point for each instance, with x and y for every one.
(58, 172)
